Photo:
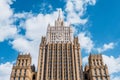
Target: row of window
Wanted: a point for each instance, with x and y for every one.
(97, 62)
(100, 78)
(19, 72)
(19, 78)
(99, 72)
(22, 62)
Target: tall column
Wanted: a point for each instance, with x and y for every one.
(47, 62)
(73, 65)
(68, 76)
(43, 62)
(63, 61)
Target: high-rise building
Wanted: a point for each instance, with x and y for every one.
(59, 59)
(96, 69)
(23, 69)
(59, 56)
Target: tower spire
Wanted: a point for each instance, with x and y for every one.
(59, 14)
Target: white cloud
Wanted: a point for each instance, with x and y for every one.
(7, 32)
(25, 46)
(5, 71)
(115, 77)
(7, 29)
(113, 63)
(106, 47)
(85, 42)
(21, 44)
(36, 27)
(5, 10)
(85, 61)
(23, 15)
(76, 9)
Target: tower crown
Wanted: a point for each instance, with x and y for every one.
(59, 33)
(59, 21)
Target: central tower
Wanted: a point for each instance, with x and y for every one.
(59, 54)
(59, 33)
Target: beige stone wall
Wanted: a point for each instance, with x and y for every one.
(22, 70)
(60, 61)
(97, 70)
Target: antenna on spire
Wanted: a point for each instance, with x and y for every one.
(59, 10)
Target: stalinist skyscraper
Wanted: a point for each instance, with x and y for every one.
(59, 56)
(59, 59)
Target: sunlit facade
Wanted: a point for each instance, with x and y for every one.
(59, 59)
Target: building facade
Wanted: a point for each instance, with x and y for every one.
(59, 59)
(23, 69)
(96, 69)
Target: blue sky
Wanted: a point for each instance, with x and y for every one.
(95, 22)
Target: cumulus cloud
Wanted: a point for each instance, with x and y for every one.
(76, 9)
(7, 32)
(25, 46)
(113, 63)
(85, 42)
(35, 27)
(115, 78)
(5, 9)
(7, 29)
(106, 47)
(85, 60)
(5, 70)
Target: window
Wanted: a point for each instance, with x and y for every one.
(22, 62)
(99, 71)
(25, 72)
(23, 78)
(86, 76)
(97, 62)
(94, 61)
(26, 62)
(20, 71)
(15, 72)
(14, 78)
(33, 77)
(104, 71)
(100, 78)
(18, 78)
(106, 78)
(18, 62)
(96, 78)
(95, 71)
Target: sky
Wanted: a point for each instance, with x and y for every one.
(95, 22)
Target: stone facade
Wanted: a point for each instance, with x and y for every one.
(96, 69)
(59, 59)
(23, 70)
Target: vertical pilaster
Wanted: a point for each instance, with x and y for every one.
(73, 64)
(63, 61)
(47, 62)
